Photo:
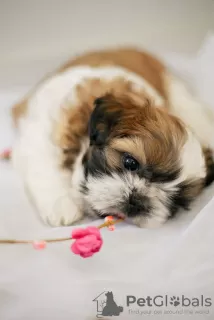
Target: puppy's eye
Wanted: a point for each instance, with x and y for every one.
(130, 163)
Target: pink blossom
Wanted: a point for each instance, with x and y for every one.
(39, 245)
(88, 241)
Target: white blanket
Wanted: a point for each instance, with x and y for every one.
(55, 284)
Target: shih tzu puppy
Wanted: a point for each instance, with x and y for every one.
(113, 133)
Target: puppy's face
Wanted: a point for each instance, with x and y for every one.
(142, 163)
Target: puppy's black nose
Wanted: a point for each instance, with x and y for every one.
(137, 204)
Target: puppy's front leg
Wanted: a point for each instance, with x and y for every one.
(50, 186)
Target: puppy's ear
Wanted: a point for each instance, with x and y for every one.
(105, 116)
(209, 166)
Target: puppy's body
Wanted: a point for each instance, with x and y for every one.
(134, 110)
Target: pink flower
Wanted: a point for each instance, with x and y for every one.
(6, 154)
(88, 241)
(39, 245)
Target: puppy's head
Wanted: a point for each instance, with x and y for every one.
(142, 162)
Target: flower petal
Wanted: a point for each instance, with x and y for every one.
(86, 243)
(79, 233)
(95, 231)
(74, 248)
(86, 254)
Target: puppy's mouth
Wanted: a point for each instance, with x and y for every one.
(114, 213)
(119, 215)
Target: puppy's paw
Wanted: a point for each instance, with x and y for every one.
(63, 212)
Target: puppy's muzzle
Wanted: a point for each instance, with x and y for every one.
(136, 205)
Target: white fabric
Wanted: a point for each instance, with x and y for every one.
(56, 284)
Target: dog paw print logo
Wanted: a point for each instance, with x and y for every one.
(174, 301)
(106, 305)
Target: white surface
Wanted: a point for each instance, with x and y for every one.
(51, 24)
(175, 259)
(52, 30)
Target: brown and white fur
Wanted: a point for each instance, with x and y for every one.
(98, 113)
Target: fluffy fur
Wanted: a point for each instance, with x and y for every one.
(80, 129)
